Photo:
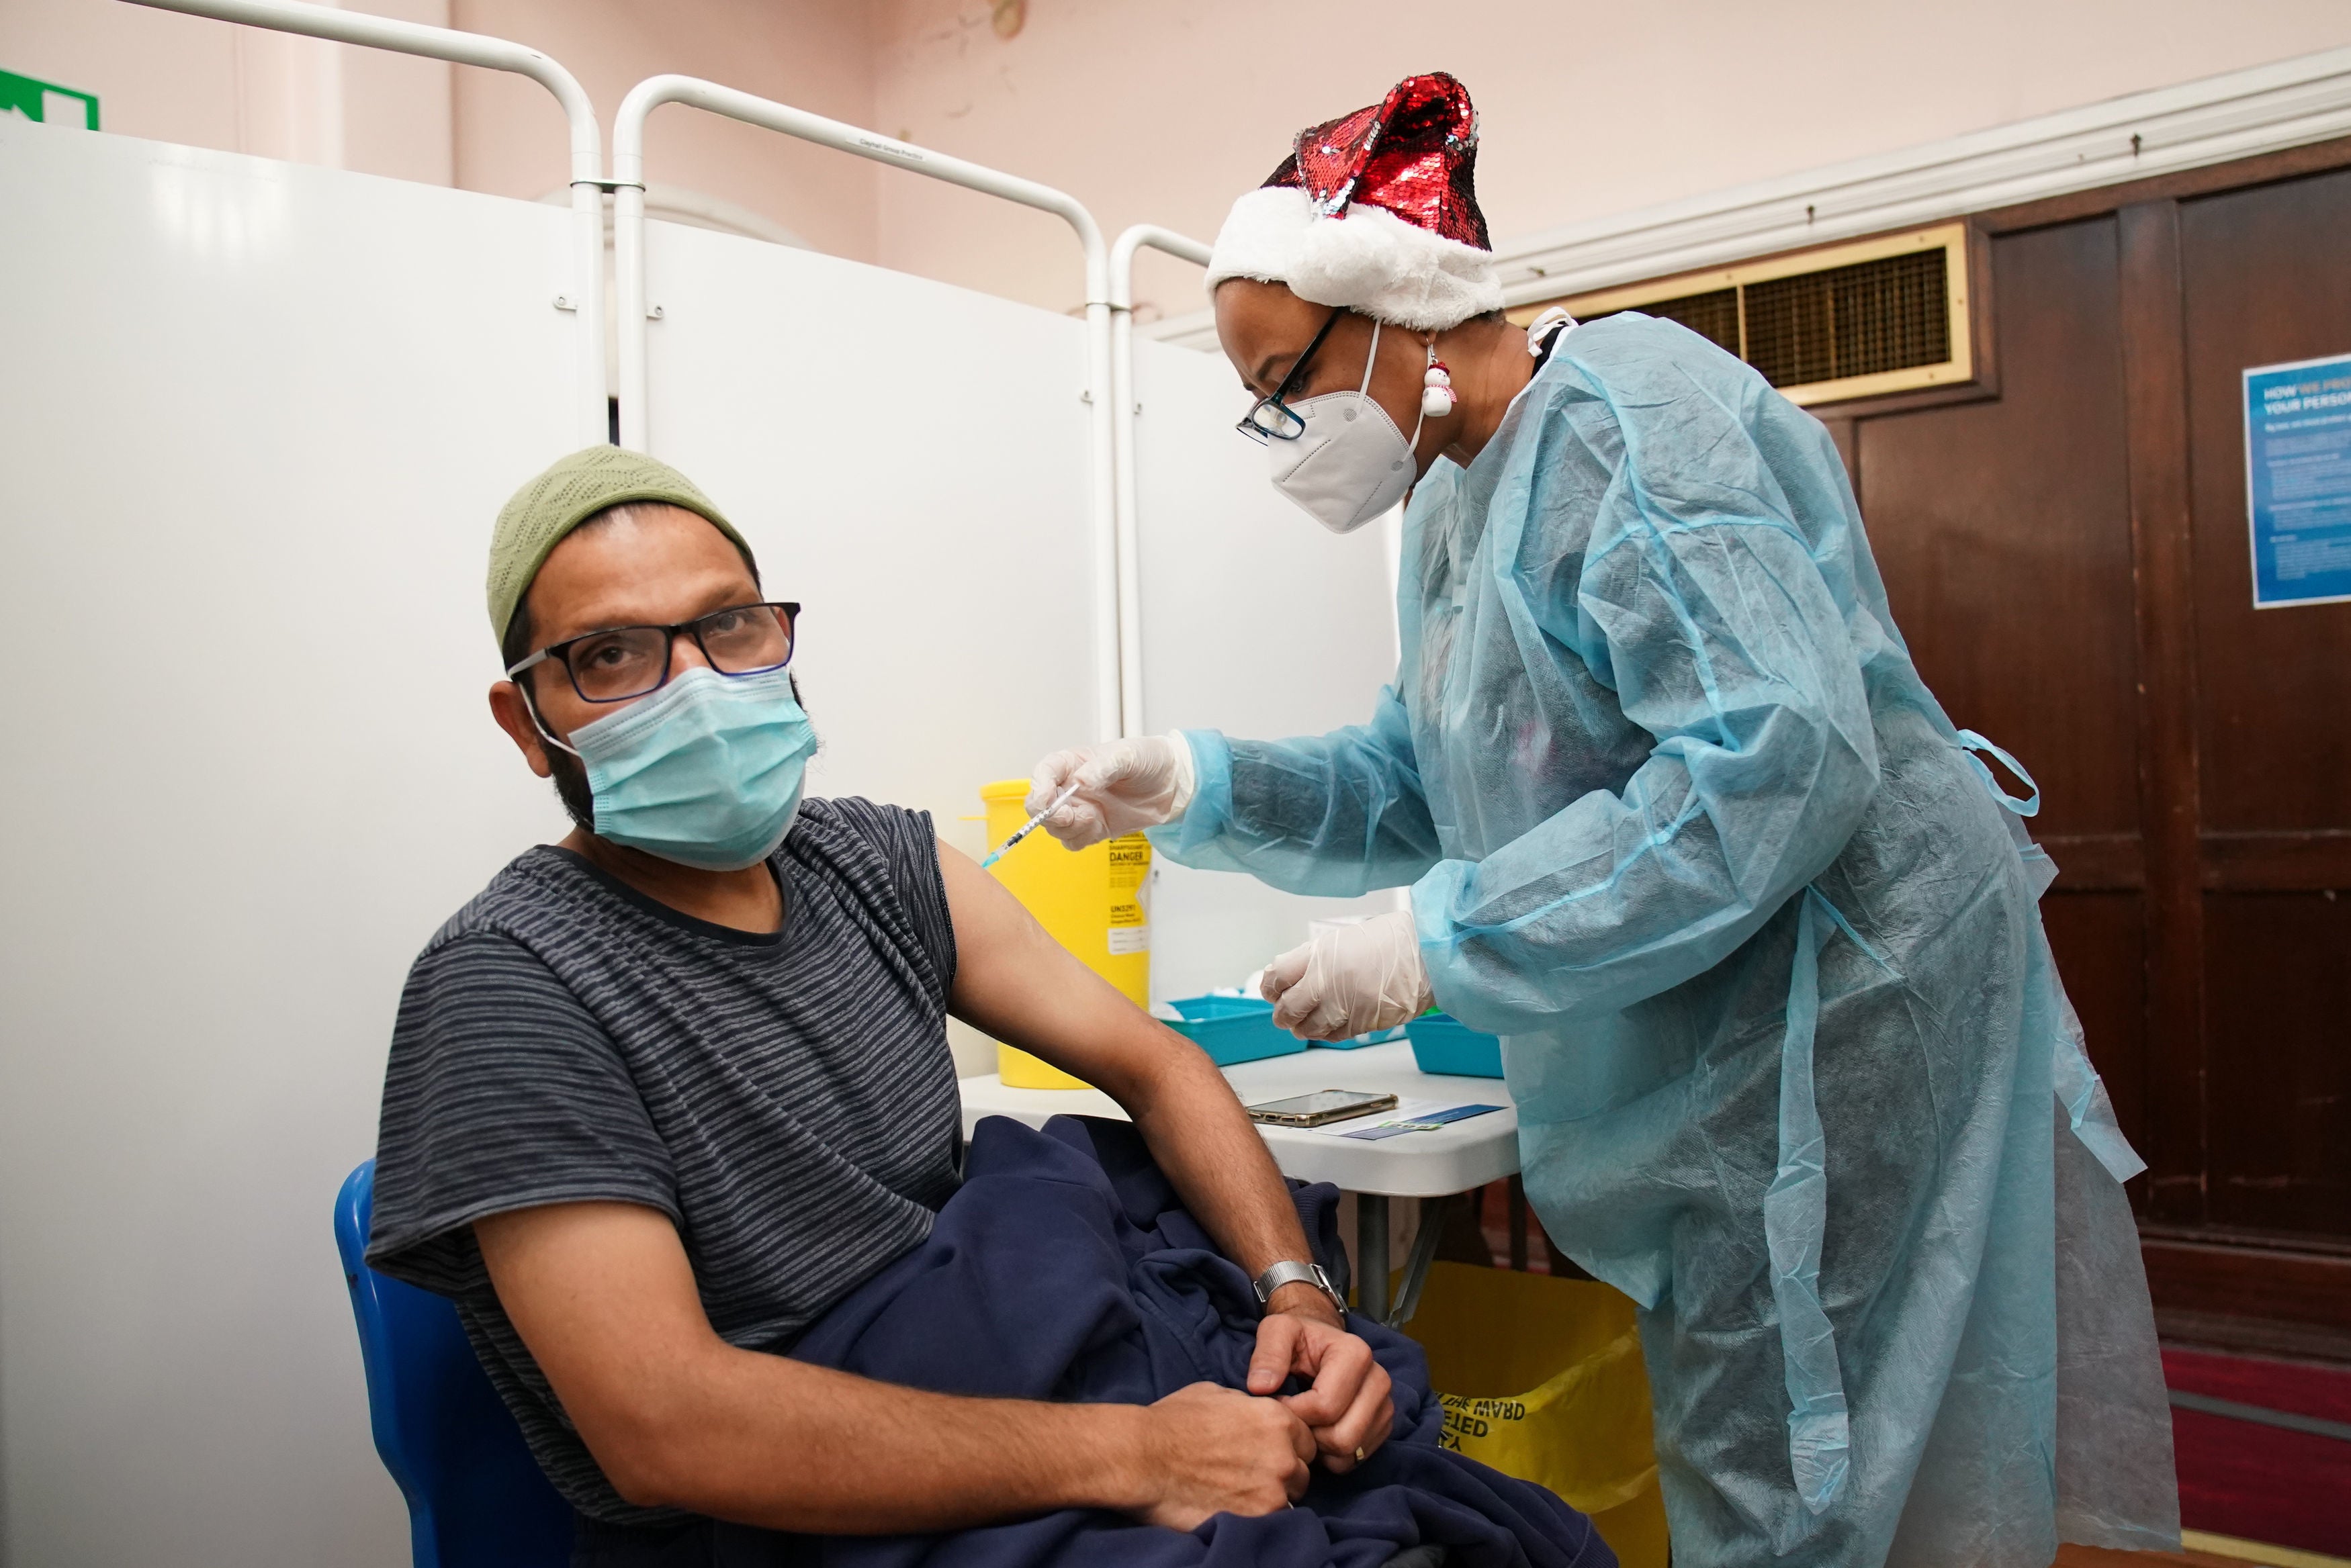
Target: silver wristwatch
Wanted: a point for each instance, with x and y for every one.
(1281, 1274)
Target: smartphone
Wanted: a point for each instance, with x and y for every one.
(1323, 1105)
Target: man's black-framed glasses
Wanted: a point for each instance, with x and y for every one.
(625, 661)
(1270, 418)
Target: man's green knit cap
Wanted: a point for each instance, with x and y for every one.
(571, 491)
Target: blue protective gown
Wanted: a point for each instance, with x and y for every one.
(1793, 1065)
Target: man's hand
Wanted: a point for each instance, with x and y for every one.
(1348, 1410)
(1214, 1450)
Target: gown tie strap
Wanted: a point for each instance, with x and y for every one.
(2023, 806)
(1795, 1220)
(2088, 1109)
(1795, 1207)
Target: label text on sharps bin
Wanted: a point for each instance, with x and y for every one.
(1475, 1418)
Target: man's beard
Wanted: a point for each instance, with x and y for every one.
(571, 787)
(570, 775)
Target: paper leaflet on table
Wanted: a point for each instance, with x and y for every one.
(1387, 1120)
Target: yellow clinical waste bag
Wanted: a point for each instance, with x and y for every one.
(1551, 1389)
(1094, 901)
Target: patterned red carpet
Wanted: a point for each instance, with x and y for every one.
(2256, 1480)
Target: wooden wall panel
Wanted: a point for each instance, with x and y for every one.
(2242, 1295)
(2100, 940)
(2278, 992)
(2068, 561)
(2164, 583)
(2004, 530)
(2266, 281)
(2263, 281)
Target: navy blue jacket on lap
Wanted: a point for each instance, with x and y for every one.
(1066, 1269)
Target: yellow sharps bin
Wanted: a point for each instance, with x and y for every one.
(1093, 902)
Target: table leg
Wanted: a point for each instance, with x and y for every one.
(1372, 1255)
(1424, 1253)
(1516, 1203)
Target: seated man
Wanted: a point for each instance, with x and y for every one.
(665, 1092)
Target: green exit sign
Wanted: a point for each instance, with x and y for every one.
(47, 102)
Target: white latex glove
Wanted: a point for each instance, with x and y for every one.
(1123, 786)
(1349, 979)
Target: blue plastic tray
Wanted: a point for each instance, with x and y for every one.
(1443, 1044)
(1232, 1028)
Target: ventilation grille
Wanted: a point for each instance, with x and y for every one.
(1877, 316)
(1857, 320)
(1714, 314)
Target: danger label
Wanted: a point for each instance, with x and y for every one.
(1130, 872)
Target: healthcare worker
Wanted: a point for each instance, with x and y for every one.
(1682, 825)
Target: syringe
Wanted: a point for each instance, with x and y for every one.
(1028, 827)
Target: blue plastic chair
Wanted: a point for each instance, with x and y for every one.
(476, 1497)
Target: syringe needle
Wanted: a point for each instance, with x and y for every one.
(1028, 827)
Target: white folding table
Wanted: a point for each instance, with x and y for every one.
(1431, 1166)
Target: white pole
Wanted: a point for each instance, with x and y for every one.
(628, 249)
(1122, 379)
(1112, 717)
(491, 54)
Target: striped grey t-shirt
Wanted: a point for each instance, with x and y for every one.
(787, 1099)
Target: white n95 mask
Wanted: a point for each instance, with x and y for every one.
(1349, 464)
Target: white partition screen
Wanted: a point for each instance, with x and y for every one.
(256, 418)
(908, 459)
(1256, 621)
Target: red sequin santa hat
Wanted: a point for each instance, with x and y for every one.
(1377, 211)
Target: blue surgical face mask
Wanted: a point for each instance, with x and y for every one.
(706, 772)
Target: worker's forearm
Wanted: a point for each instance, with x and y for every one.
(762, 1441)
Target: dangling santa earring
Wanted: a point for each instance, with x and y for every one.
(1437, 395)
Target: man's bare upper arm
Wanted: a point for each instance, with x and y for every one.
(605, 1301)
(1015, 982)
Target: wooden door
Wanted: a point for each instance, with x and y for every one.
(2067, 553)
(2265, 276)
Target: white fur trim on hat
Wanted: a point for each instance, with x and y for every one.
(1371, 260)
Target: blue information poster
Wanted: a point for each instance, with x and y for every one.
(2298, 481)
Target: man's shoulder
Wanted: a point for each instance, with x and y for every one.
(854, 814)
(882, 857)
(851, 823)
(523, 891)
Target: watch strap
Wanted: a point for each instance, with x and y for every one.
(1292, 1273)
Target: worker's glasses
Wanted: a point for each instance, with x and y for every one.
(631, 660)
(1270, 418)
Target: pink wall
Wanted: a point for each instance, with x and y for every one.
(814, 54)
(206, 83)
(1150, 111)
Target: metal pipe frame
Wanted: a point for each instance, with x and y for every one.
(1126, 408)
(490, 54)
(1111, 568)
